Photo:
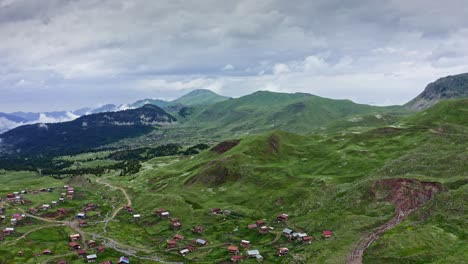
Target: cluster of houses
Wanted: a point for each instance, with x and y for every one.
(121, 260)
(262, 228)
(68, 194)
(175, 224)
(91, 244)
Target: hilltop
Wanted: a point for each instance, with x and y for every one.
(450, 87)
(264, 110)
(199, 97)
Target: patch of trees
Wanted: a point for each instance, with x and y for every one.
(146, 153)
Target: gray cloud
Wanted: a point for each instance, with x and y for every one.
(66, 54)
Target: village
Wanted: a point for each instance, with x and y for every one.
(90, 250)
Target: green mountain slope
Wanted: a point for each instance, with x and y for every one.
(351, 183)
(343, 182)
(262, 111)
(447, 111)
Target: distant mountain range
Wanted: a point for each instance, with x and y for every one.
(204, 115)
(83, 133)
(197, 97)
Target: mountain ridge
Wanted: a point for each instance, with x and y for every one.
(449, 87)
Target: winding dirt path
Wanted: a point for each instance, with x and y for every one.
(108, 242)
(357, 254)
(407, 195)
(29, 232)
(127, 197)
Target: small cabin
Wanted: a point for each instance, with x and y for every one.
(201, 242)
(171, 244)
(162, 213)
(282, 218)
(74, 237)
(81, 215)
(283, 251)
(178, 237)
(253, 253)
(100, 249)
(245, 243)
(237, 258)
(263, 229)
(233, 250)
(92, 243)
(260, 223)
(46, 252)
(198, 229)
(216, 211)
(91, 258)
(74, 245)
(252, 226)
(327, 233)
(123, 260)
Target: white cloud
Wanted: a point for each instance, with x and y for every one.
(228, 67)
(77, 53)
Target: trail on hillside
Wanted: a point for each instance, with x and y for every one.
(29, 232)
(357, 254)
(108, 242)
(408, 195)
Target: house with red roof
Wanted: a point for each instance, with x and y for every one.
(46, 252)
(233, 250)
(162, 213)
(260, 223)
(327, 233)
(74, 245)
(237, 258)
(282, 218)
(171, 244)
(197, 229)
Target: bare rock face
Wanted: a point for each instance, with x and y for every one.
(450, 87)
(406, 194)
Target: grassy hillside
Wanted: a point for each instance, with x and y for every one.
(327, 181)
(263, 111)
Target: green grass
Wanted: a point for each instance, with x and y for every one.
(323, 181)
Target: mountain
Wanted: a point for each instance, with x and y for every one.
(104, 108)
(199, 97)
(12, 120)
(8, 121)
(84, 133)
(157, 102)
(264, 110)
(450, 87)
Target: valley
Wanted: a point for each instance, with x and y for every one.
(272, 178)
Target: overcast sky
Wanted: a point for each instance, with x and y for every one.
(66, 54)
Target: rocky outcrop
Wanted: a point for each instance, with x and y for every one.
(450, 87)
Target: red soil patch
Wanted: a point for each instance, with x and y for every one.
(225, 146)
(406, 194)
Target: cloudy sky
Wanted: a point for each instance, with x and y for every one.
(66, 54)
